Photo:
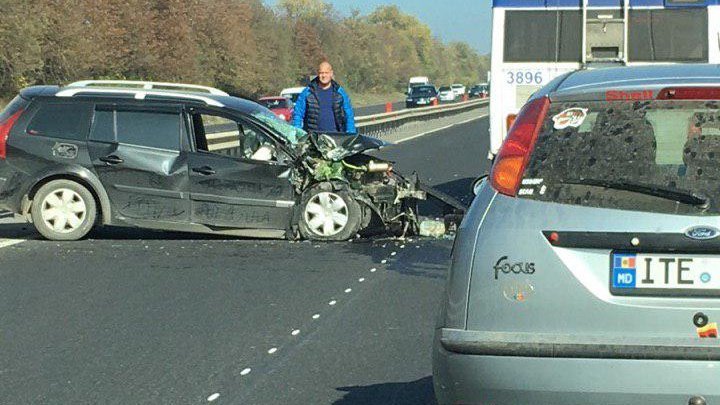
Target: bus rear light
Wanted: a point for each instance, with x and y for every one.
(515, 152)
(690, 93)
(5, 128)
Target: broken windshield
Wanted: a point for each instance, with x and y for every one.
(286, 130)
(667, 145)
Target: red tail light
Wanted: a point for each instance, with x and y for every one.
(515, 151)
(690, 93)
(5, 128)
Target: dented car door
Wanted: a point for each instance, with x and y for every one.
(235, 178)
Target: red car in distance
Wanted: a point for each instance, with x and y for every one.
(281, 106)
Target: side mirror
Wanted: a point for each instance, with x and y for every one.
(477, 183)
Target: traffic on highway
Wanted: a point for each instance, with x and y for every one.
(545, 232)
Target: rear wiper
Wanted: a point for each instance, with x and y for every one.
(685, 197)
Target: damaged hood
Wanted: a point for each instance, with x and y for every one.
(335, 147)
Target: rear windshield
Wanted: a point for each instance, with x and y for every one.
(658, 145)
(444, 88)
(16, 104)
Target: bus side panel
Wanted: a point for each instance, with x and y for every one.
(714, 34)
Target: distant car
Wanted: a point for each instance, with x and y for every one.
(280, 106)
(586, 269)
(292, 93)
(459, 89)
(446, 93)
(421, 96)
(479, 90)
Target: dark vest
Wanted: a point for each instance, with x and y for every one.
(312, 111)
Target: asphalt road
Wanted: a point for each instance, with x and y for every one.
(134, 317)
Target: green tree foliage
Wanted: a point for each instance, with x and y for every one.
(242, 46)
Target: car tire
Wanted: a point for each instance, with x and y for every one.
(63, 210)
(329, 214)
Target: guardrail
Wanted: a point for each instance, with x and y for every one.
(378, 124)
(225, 137)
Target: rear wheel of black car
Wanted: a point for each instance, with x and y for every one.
(328, 214)
(63, 210)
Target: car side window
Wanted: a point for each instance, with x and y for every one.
(61, 120)
(152, 129)
(235, 138)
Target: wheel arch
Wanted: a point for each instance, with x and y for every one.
(87, 180)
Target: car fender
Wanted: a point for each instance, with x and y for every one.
(73, 172)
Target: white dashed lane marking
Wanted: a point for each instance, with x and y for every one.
(10, 242)
(213, 397)
(246, 371)
(295, 332)
(273, 350)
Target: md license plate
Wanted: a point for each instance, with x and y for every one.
(664, 274)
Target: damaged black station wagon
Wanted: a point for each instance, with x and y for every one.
(188, 158)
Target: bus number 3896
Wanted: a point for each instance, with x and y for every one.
(524, 77)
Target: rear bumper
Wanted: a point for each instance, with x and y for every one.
(12, 189)
(543, 377)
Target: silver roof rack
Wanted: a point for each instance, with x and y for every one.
(139, 94)
(148, 86)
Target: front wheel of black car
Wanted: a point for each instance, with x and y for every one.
(328, 214)
(63, 210)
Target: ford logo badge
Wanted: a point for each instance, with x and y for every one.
(702, 233)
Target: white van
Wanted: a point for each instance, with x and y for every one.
(292, 93)
(417, 81)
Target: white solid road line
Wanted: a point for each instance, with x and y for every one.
(10, 242)
(440, 129)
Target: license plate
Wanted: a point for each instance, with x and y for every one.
(660, 274)
(422, 102)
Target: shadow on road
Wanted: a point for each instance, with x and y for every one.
(418, 392)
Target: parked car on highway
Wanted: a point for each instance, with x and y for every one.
(292, 93)
(458, 89)
(479, 90)
(446, 93)
(585, 271)
(188, 158)
(281, 106)
(421, 96)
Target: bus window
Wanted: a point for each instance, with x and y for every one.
(668, 35)
(543, 36)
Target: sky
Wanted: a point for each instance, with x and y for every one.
(449, 20)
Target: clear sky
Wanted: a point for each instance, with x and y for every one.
(449, 20)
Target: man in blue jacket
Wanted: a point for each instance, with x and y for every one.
(324, 106)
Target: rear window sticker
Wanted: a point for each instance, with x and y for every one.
(708, 331)
(572, 117)
(526, 191)
(543, 189)
(532, 181)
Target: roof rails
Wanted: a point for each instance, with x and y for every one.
(139, 94)
(148, 86)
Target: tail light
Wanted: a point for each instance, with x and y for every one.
(510, 120)
(5, 128)
(515, 152)
(690, 93)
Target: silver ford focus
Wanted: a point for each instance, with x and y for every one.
(587, 270)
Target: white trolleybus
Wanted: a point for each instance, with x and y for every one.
(534, 41)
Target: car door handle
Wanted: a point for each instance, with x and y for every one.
(205, 170)
(111, 160)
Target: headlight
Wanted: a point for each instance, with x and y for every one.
(281, 116)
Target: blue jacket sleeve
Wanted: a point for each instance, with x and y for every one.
(349, 113)
(299, 109)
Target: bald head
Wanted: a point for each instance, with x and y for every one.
(325, 74)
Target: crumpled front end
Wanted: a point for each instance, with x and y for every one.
(389, 200)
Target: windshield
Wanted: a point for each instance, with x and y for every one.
(586, 150)
(445, 88)
(422, 91)
(283, 128)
